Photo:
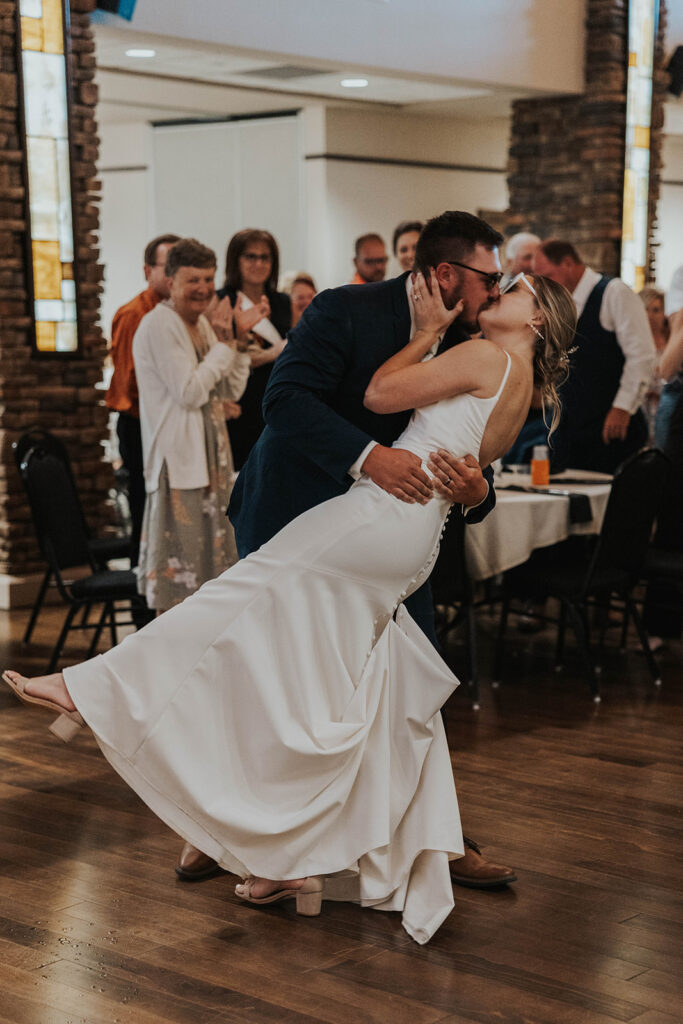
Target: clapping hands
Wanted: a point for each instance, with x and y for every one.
(220, 318)
(246, 319)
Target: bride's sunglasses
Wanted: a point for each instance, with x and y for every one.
(515, 280)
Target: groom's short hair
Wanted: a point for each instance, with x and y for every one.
(452, 236)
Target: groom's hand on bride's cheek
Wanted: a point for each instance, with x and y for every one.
(400, 473)
(459, 480)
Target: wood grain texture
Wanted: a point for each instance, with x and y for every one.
(584, 802)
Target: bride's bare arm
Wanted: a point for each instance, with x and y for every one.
(404, 382)
(461, 369)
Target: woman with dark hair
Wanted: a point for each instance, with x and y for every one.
(404, 242)
(286, 719)
(263, 315)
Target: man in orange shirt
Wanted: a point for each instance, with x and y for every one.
(122, 395)
(370, 260)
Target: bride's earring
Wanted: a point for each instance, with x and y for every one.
(535, 330)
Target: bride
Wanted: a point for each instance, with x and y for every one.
(305, 758)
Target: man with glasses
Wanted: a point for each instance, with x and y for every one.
(370, 260)
(122, 395)
(319, 436)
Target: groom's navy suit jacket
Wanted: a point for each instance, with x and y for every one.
(316, 423)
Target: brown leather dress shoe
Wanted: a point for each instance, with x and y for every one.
(474, 872)
(195, 866)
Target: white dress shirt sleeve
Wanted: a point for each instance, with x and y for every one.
(356, 469)
(624, 313)
(468, 508)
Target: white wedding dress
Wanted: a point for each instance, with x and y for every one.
(283, 722)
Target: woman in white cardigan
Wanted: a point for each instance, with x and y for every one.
(186, 367)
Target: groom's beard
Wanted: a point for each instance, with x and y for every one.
(473, 326)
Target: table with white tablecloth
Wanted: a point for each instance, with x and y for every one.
(522, 521)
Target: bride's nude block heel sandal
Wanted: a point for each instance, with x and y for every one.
(309, 897)
(65, 727)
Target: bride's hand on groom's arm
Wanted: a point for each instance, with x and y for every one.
(399, 472)
(459, 480)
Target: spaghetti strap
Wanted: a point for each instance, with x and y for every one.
(504, 380)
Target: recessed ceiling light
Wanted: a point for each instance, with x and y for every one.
(141, 53)
(354, 83)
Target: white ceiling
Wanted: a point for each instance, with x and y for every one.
(256, 82)
(519, 44)
(188, 78)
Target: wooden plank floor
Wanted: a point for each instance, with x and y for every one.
(584, 801)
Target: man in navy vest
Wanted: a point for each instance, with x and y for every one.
(319, 436)
(611, 368)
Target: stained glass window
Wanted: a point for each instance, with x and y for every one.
(46, 120)
(642, 29)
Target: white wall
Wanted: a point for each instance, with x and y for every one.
(210, 180)
(352, 198)
(367, 197)
(126, 215)
(205, 181)
(669, 233)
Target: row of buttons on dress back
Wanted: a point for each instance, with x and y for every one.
(426, 568)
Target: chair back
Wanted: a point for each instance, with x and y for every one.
(634, 502)
(33, 437)
(55, 507)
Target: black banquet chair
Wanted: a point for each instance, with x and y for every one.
(613, 570)
(63, 539)
(102, 549)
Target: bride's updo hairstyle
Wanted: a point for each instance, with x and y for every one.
(553, 348)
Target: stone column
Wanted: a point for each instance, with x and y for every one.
(56, 394)
(566, 159)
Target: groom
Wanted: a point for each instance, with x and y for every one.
(319, 436)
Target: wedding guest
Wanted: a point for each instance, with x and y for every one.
(519, 255)
(185, 366)
(404, 242)
(370, 260)
(663, 611)
(301, 295)
(612, 364)
(670, 366)
(261, 313)
(122, 395)
(653, 300)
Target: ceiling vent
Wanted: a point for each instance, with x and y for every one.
(285, 72)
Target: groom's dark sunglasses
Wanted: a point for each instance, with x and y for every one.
(492, 280)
